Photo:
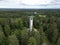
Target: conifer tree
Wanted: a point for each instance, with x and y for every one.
(13, 40)
(2, 37)
(35, 33)
(32, 41)
(7, 30)
(52, 33)
(25, 20)
(24, 37)
(43, 38)
(58, 41)
(19, 23)
(18, 35)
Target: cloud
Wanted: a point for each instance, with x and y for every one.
(36, 2)
(8, 2)
(29, 4)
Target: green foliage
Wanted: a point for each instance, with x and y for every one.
(58, 41)
(43, 38)
(18, 35)
(19, 23)
(13, 40)
(32, 41)
(35, 33)
(25, 20)
(52, 19)
(52, 33)
(24, 36)
(15, 31)
(7, 30)
(2, 37)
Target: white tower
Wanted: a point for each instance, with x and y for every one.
(31, 23)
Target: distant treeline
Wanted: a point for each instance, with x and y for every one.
(19, 12)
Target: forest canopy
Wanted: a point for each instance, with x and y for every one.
(14, 27)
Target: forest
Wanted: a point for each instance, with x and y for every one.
(14, 27)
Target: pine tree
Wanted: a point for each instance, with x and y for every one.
(2, 37)
(52, 19)
(13, 40)
(18, 35)
(35, 33)
(25, 20)
(52, 32)
(58, 41)
(7, 30)
(43, 38)
(24, 36)
(19, 23)
(32, 41)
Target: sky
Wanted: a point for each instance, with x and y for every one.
(30, 4)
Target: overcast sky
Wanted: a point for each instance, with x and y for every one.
(29, 3)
